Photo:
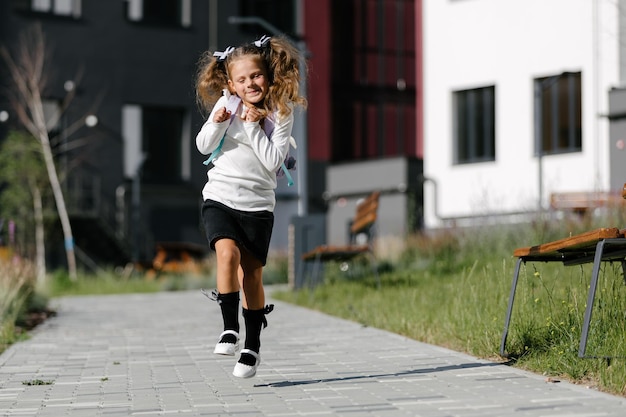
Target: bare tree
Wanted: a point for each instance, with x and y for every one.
(27, 70)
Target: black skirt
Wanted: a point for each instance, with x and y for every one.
(250, 229)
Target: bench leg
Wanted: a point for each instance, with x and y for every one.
(306, 274)
(309, 275)
(374, 265)
(316, 271)
(590, 298)
(509, 309)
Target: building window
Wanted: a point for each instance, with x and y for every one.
(70, 8)
(279, 13)
(160, 12)
(558, 114)
(373, 79)
(475, 125)
(154, 143)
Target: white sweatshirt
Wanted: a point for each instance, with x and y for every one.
(244, 173)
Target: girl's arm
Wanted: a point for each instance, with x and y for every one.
(272, 152)
(211, 133)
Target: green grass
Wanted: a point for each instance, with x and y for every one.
(450, 289)
(59, 284)
(453, 291)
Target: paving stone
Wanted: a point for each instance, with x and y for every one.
(151, 355)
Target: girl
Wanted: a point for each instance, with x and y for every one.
(247, 132)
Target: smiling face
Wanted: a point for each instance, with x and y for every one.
(249, 80)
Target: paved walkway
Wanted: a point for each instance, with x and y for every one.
(151, 355)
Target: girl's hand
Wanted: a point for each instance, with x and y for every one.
(253, 115)
(221, 115)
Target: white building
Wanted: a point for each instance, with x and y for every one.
(498, 75)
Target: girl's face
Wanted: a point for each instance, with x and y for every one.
(249, 80)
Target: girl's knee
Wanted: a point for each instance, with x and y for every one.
(227, 253)
(253, 279)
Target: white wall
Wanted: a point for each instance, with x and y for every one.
(475, 43)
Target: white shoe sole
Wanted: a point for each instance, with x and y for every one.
(246, 371)
(227, 349)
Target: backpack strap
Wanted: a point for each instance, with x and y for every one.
(288, 175)
(215, 152)
(231, 106)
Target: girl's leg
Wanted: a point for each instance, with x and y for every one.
(253, 313)
(228, 258)
(251, 281)
(253, 300)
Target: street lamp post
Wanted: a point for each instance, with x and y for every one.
(539, 141)
(300, 127)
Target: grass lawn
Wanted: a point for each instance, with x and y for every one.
(453, 292)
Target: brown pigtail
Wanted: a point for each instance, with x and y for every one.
(211, 79)
(284, 65)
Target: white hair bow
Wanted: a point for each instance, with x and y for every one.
(221, 56)
(261, 42)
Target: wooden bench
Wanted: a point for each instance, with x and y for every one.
(582, 202)
(597, 246)
(361, 226)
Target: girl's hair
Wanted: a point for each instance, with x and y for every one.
(282, 60)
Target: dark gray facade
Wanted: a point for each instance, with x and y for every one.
(137, 177)
(134, 178)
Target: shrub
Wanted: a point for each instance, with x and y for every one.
(17, 280)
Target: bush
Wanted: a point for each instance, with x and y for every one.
(17, 283)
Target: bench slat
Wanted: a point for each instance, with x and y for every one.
(366, 213)
(585, 200)
(365, 209)
(335, 252)
(363, 223)
(370, 203)
(573, 243)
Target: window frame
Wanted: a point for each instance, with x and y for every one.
(474, 131)
(373, 77)
(137, 161)
(59, 8)
(135, 12)
(558, 130)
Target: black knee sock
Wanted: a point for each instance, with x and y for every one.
(255, 321)
(229, 304)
